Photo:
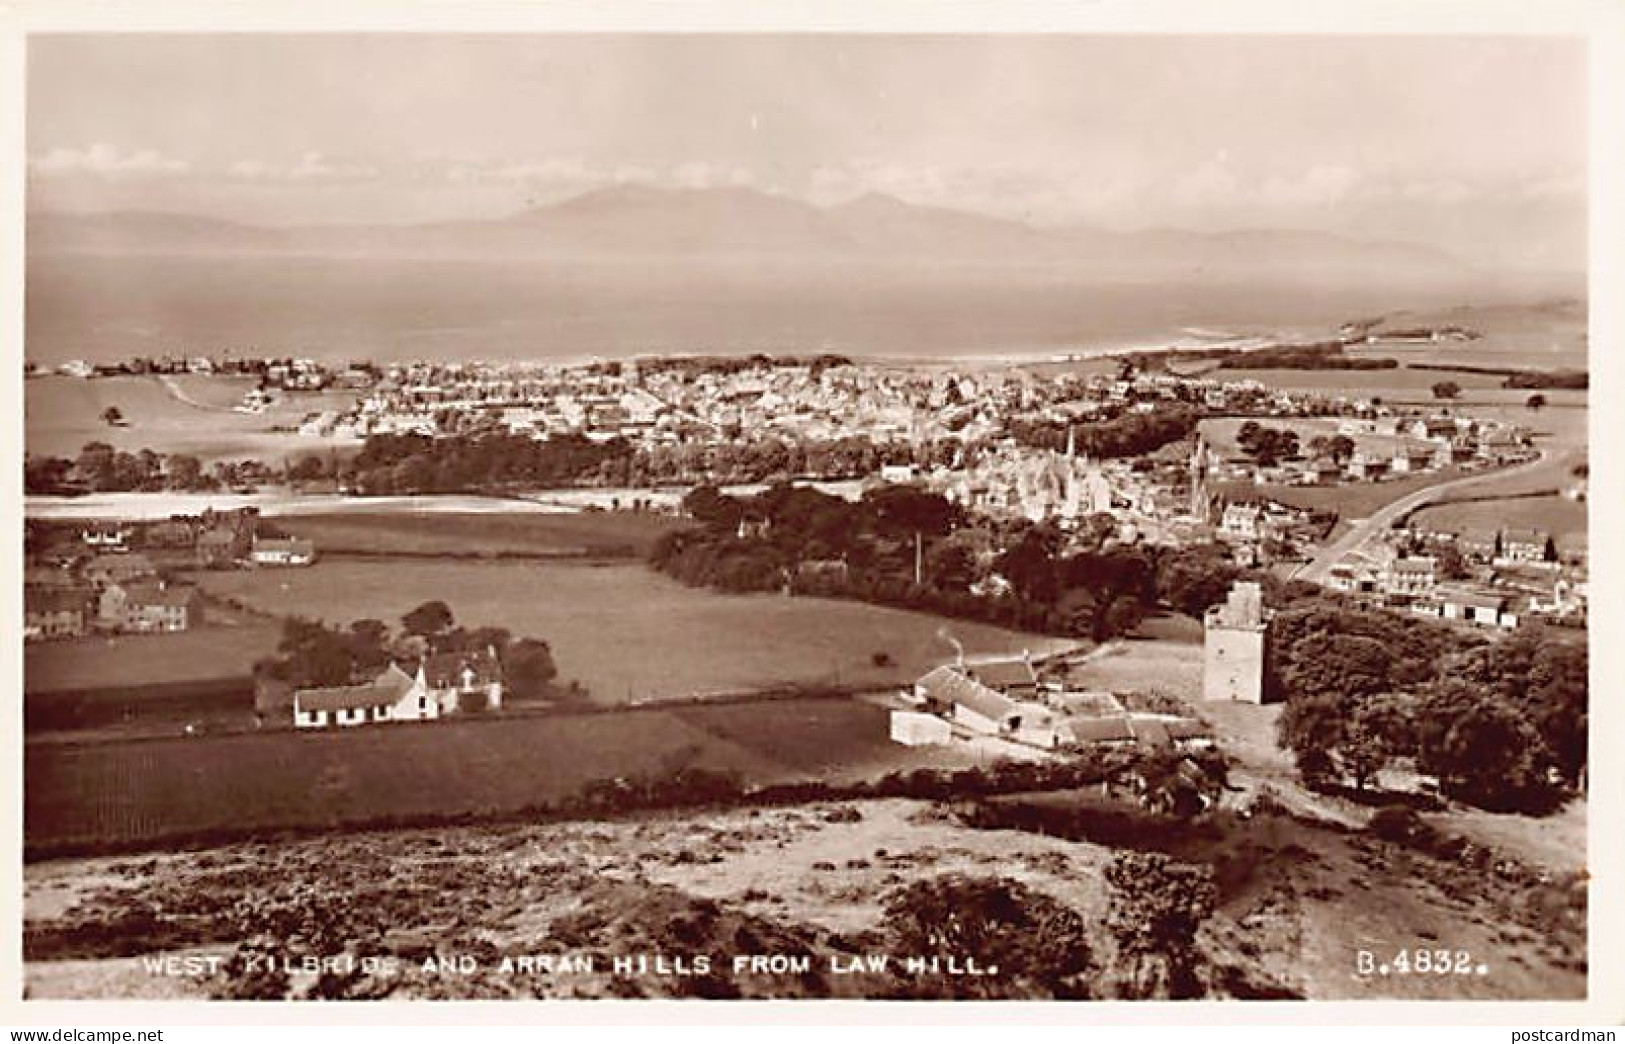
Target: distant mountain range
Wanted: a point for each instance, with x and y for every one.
(745, 227)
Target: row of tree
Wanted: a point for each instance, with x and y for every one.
(100, 468)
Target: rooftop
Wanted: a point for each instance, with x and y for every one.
(383, 691)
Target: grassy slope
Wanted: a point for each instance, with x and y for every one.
(144, 790)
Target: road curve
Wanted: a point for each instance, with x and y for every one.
(1317, 568)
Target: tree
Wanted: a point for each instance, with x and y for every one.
(44, 474)
(1123, 615)
(428, 620)
(950, 565)
(1192, 579)
(185, 471)
(312, 655)
(712, 508)
(1157, 906)
(1446, 390)
(369, 644)
(113, 417)
(308, 468)
(528, 668)
(1484, 749)
(1451, 562)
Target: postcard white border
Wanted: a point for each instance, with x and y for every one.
(1602, 23)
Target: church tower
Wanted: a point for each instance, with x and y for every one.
(1198, 479)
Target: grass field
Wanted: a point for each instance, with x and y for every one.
(144, 790)
(1559, 516)
(628, 633)
(62, 414)
(1220, 433)
(1350, 500)
(481, 533)
(205, 654)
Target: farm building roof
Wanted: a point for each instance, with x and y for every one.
(1100, 730)
(1003, 674)
(157, 592)
(1524, 536)
(1473, 599)
(1187, 728)
(951, 686)
(390, 685)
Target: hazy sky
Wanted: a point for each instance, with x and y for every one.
(1474, 144)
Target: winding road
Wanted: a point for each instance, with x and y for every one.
(1365, 530)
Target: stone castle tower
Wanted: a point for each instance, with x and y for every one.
(1233, 649)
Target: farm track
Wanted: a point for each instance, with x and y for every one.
(178, 393)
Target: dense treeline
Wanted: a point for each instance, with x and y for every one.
(1128, 435)
(912, 549)
(1567, 380)
(412, 463)
(100, 468)
(1328, 356)
(1501, 724)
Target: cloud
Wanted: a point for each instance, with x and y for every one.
(1320, 186)
(699, 175)
(311, 166)
(106, 160)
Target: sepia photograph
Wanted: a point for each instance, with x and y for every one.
(805, 515)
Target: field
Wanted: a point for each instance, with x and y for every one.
(145, 790)
(62, 414)
(628, 633)
(481, 534)
(206, 654)
(1350, 500)
(1563, 518)
(1220, 433)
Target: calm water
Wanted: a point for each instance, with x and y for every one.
(110, 308)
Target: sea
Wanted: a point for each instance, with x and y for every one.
(104, 309)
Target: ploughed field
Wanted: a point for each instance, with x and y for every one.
(628, 633)
(141, 792)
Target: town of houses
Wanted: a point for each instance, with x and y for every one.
(956, 434)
